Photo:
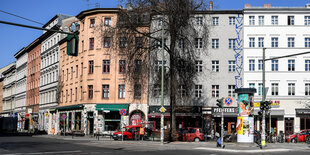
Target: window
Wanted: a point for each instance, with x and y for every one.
(91, 43)
(138, 66)
(215, 21)
(260, 42)
(307, 65)
(307, 89)
(90, 92)
(231, 90)
(252, 42)
(274, 89)
(159, 45)
(81, 68)
(67, 74)
(291, 89)
(232, 20)
(160, 22)
(291, 65)
(157, 90)
(105, 91)
(198, 91)
(107, 21)
(199, 21)
(307, 20)
(231, 43)
(106, 66)
(252, 65)
(251, 85)
(82, 46)
(251, 20)
(275, 65)
(274, 42)
(158, 65)
(121, 91)
(76, 71)
(290, 42)
(122, 42)
(198, 42)
(139, 42)
(215, 90)
(307, 42)
(70, 95)
(63, 76)
(215, 43)
(75, 99)
(260, 65)
(81, 92)
(181, 43)
(199, 66)
(182, 91)
(231, 66)
(71, 73)
(122, 66)
(260, 89)
(215, 66)
(92, 22)
(290, 20)
(91, 67)
(137, 91)
(66, 96)
(107, 42)
(261, 20)
(274, 20)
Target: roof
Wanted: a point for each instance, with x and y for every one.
(56, 16)
(13, 67)
(20, 53)
(277, 9)
(84, 13)
(219, 12)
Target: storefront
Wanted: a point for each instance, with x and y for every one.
(304, 115)
(230, 119)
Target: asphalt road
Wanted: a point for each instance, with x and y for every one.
(26, 145)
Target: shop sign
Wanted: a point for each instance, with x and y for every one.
(274, 104)
(303, 112)
(228, 111)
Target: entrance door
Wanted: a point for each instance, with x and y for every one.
(90, 123)
(26, 127)
(289, 126)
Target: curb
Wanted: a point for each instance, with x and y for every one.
(243, 151)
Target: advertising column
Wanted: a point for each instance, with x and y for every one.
(245, 119)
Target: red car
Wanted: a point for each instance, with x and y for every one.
(298, 137)
(190, 134)
(130, 132)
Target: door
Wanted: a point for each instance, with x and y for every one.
(289, 126)
(90, 123)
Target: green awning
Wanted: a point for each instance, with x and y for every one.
(112, 107)
(71, 107)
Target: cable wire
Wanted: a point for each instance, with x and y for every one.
(21, 17)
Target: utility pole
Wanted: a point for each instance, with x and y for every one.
(263, 137)
(162, 84)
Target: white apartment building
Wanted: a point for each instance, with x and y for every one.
(49, 70)
(21, 84)
(9, 91)
(282, 31)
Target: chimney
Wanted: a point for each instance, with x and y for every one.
(247, 5)
(267, 5)
(211, 6)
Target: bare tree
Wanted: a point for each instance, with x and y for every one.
(140, 38)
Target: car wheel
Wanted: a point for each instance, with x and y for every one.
(294, 140)
(196, 139)
(125, 138)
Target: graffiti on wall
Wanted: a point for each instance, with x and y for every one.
(238, 51)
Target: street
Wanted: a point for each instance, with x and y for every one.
(57, 145)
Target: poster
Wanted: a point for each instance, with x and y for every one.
(243, 110)
(240, 125)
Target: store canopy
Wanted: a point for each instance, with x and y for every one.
(71, 107)
(112, 107)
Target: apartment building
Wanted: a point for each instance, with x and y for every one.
(9, 84)
(1, 85)
(282, 31)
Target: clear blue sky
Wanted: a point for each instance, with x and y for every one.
(13, 38)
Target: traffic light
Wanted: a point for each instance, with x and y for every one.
(72, 45)
(267, 105)
(220, 102)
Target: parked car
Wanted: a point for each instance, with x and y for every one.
(190, 134)
(131, 132)
(298, 137)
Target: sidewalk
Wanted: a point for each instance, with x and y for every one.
(209, 146)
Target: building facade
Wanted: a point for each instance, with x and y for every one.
(218, 66)
(1, 85)
(282, 31)
(21, 84)
(49, 70)
(94, 87)
(9, 91)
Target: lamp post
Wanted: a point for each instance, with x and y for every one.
(263, 137)
(162, 84)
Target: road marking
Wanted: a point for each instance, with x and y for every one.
(56, 152)
(242, 151)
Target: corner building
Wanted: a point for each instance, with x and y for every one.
(94, 87)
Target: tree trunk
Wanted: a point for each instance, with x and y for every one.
(173, 89)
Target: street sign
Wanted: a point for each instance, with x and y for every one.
(122, 112)
(228, 101)
(63, 116)
(162, 109)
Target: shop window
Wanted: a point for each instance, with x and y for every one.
(77, 121)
